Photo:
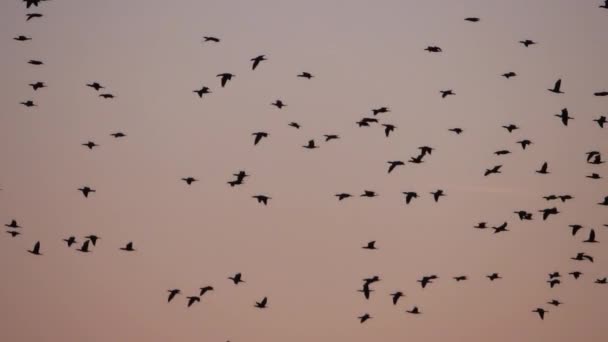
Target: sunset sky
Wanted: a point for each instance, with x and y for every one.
(303, 250)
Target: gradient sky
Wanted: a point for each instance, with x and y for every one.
(303, 249)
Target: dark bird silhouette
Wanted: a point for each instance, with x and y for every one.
(262, 199)
(13, 224)
(128, 247)
(602, 281)
(472, 19)
(445, 93)
(601, 93)
(118, 135)
(501, 228)
(29, 3)
(564, 116)
(527, 42)
(107, 96)
(555, 302)
(366, 290)
(366, 121)
(557, 87)
(370, 245)
(172, 294)
(543, 169)
(294, 125)
(582, 257)
(541, 312)
(329, 137)
(380, 110)
(510, 127)
(460, 278)
(523, 215)
(591, 155)
(311, 145)
(95, 85)
(36, 249)
(605, 202)
(594, 176)
(426, 280)
(35, 62)
(565, 198)
(342, 196)
(205, 290)
(85, 247)
(86, 191)
(189, 180)
(433, 49)
(414, 311)
(495, 169)
(237, 278)
(31, 16)
(509, 74)
(279, 104)
(576, 274)
(553, 282)
(192, 300)
(200, 92)
(368, 193)
(240, 176)
(502, 152)
(388, 128)
(493, 276)
(364, 318)
(396, 296)
(28, 103)
(259, 136)
(409, 195)
(548, 211)
(306, 75)
(438, 194)
(575, 228)
(554, 275)
(369, 281)
(22, 38)
(524, 143)
(261, 304)
(424, 150)
(256, 61)
(225, 77)
(481, 225)
(456, 130)
(394, 164)
(70, 241)
(601, 121)
(93, 239)
(37, 85)
(13, 233)
(211, 39)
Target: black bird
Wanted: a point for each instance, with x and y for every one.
(30, 16)
(189, 180)
(409, 195)
(501, 228)
(527, 42)
(192, 300)
(601, 121)
(388, 128)
(86, 191)
(225, 78)
(22, 38)
(306, 75)
(202, 91)
(294, 125)
(549, 211)
(173, 293)
(472, 19)
(261, 304)
(35, 62)
(602, 281)
(582, 257)
(438, 194)
(424, 150)
(240, 176)
(256, 61)
(13, 233)
(311, 145)
(495, 169)
(594, 176)
(565, 198)
(85, 247)
(555, 302)
(576, 274)
(396, 296)
(523, 215)
(364, 318)
(366, 290)
(502, 152)
(456, 130)
(481, 225)
(36, 249)
(524, 143)
(369, 281)
(95, 85)
(29, 3)
(550, 197)
(564, 116)
(279, 104)
(553, 282)
(414, 311)
(460, 278)
(205, 290)
(118, 135)
(342, 196)
(592, 154)
(262, 199)
(28, 103)
(128, 247)
(236, 279)
(445, 93)
(107, 96)
(90, 145)
(93, 239)
(543, 169)
(605, 4)
(557, 87)
(575, 228)
(541, 312)
(380, 110)
(510, 127)
(605, 201)
(259, 136)
(601, 93)
(211, 39)
(426, 280)
(493, 276)
(329, 137)
(370, 245)
(433, 49)
(368, 193)
(394, 164)
(366, 121)
(509, 74)
(70, 241)
(39, 85)
(13, 224)
(554, 275)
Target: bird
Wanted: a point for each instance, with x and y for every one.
(564, 116)
(605, 4)
(591, 238)
(424, 150)
(394, 164)
(438, 194)
(189, 180)
(259, 136)
(118, 135)
(380, 110)
(13, 224)
(510, 127)
(240, 176)
(493, 276)
(509, 74)
(311, 145)
(396, 296)
(433, 49)
(225, 77)
(28, 103)
(502, 152)
(366, 290)
(200, 92)
(237, 278)
(86, 191)
(70, 241)
(426, 280)
(305, 75)
(594, 176)
(366, 121)
(460, 278)
(370, 245)
(85, 247)
(601, 121)
(481, 225)
(35, 62)
(527, 42)
(262, 304)
(445, 93)
(128, 247)
(211, 39)
(31, 16)
(13, 233)
(388, 128)
(37, 85)
(93, 239)
(342, 196)
(582, 257)
(456, 130)
(541, 312)
(414, 311)
(205, 290)
(605, 202)
(557, 87)
(364, 318)
(565, 198)
(524, 143)
(329, 137)
(262, 199)
(95, 85)
(575, 228)
(90, 145)
(472, 19)
(107, 96)
(601, 93)
(555, 302)
(501, 228)
(417, 159)
(279, 104)
(409, 195)
(576, 274)
(29, 3)
(523, 215)
(553, 282)
(294, 125)
(543, 169)
(369, 281)
(22, 38)
(256, 61)
(602, 281)
(192, 300)
(369, 193)
(172, 294)
(36, 249)
(548, 211)
(495, 169)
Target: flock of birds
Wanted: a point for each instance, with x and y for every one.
(593, 158)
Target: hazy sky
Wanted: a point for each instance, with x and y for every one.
(303, 250)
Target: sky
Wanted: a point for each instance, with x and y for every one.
(303, 251)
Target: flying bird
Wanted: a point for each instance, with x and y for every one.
(414, 311)
(36, 249)
(601, 121)
(311, 145)
(396, 296)
(86, 191)
(555, 302)
(575, 228)
(509, 74)
(576, 274)
(35, 62)
(37, 85)
(438, 194)
(549, 211)
(541, 312)
(211, 39)
(118, 135)
(493, 276)
(93, 239)
(279, 104)
(557, 87)
(192, 300)
(189, 180)
(236, 279)
(605, 202)
(342, 196)
(460, 278)
(495, 169)
(259, 136)
(524, 143)
(128, 247)
(29, 3)
(31, 16)
(13, 224)
(261, 304)
(28, 103)
(369, 193)
(295, 125)
(445, 93)
(388, 128)
(501, 228)
(370, 245)
(433, 49)
(22, 38)
(13, 233)
(256, 61)
(200, 92)
(85, 247)
(409, 195)
(305, 75)
(527, 42)
(225, 77)
(70, 241)
(564, 116)
(172, 294)
(394, 164)
(262, 199)
(582, 257)
(364, 318)
(543, 169)
(107, 96)
(456, 130)
(205, 290)
(510, 127)
(329, 137)
(472, 19)
(380, 110)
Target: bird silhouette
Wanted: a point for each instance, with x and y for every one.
(553, 282)
(433, 49)
(189, 180)
(394, 164)
(262, 199)
(555, 302)
(541, 312)
(305, 75)
(37, 85)
(262, 304)
(329, 137)
(258, 137)
(29, 3)
(35, 62)
(456, 130)
(31, 16)
(85, 247)
(172, 294)
(192, 300)
(601, 93)
(256, 61)
(460, 278)
(502, 152)
(396, 296)
(575, 228)
(70, 241)
(13, 233)
(388, 128)
(369, 193)
(342, 196)
(311, 145)
(605, 202)
(364, 318)
(36, 249)
(90, 145)
(211, 39)
(438, 194)
(548, 211)
(602, 281)
(601, 121)
(543, 169)
(524, 143)
(445, 93)
(95, 85)
(582, 257)
(594, 176)
(369, 281)
(86, 191)
(426, 280)
(93, 239)
(294, 125)
(481, 225)
(225, 77)
(22, 38)
(493, 276)
(28, 103)
(237, 278)
(200, 92)
(557, 87)
(107, 96)
(417, 159)
(604, 5)
(576, 274)
(366, 290)
(564, 116)
(128, 247)
(370, 245)
(409, 195)
(472, 19)
(366, 121)
(118, 135)
(495, 169)
(527, 42)
(414, 311)
(380, 110)
(424, 150)
(509, 74)
(523, 215)
(510, 127)
(279, 104)
(13, 224)
(205, 290)
(501, 228)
